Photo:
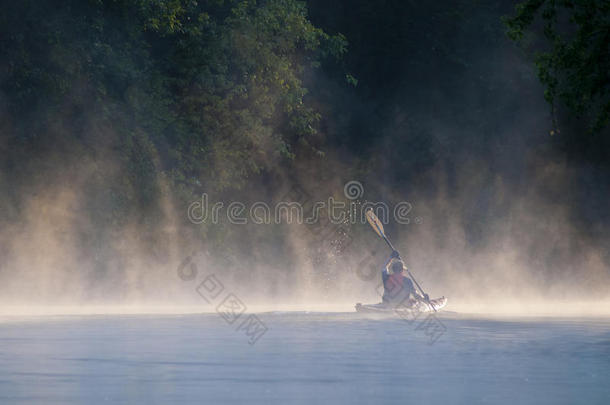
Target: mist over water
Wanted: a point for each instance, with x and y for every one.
(537, 264)
(508, 223)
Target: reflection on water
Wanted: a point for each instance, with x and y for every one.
(303, 358)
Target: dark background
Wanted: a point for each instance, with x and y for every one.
(117, 114)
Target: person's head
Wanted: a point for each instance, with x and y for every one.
(397, 266)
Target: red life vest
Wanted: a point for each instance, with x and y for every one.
(394, 285)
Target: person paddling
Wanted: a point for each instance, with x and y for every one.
(396, 286)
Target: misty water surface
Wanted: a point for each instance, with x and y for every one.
(303, 359)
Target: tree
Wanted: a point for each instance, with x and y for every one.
(574, 64)
(202, 87)
(200, 95)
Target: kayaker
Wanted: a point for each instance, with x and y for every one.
(396, 286)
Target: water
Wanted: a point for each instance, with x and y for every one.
(302, 359)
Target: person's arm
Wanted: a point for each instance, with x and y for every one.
(408, 285)
(385, 266)
(385, 272)
(393, 255)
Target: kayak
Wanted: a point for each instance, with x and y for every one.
(410, 306)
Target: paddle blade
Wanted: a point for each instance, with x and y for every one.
(374, 222)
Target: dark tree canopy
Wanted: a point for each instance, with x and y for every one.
(574, 63)
(133, 103)
(196, 82)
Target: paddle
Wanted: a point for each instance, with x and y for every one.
(378, 227)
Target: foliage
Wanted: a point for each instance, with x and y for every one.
(120, 98)
(575, 66)
(214, 85)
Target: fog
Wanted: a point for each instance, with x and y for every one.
(502, 220)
